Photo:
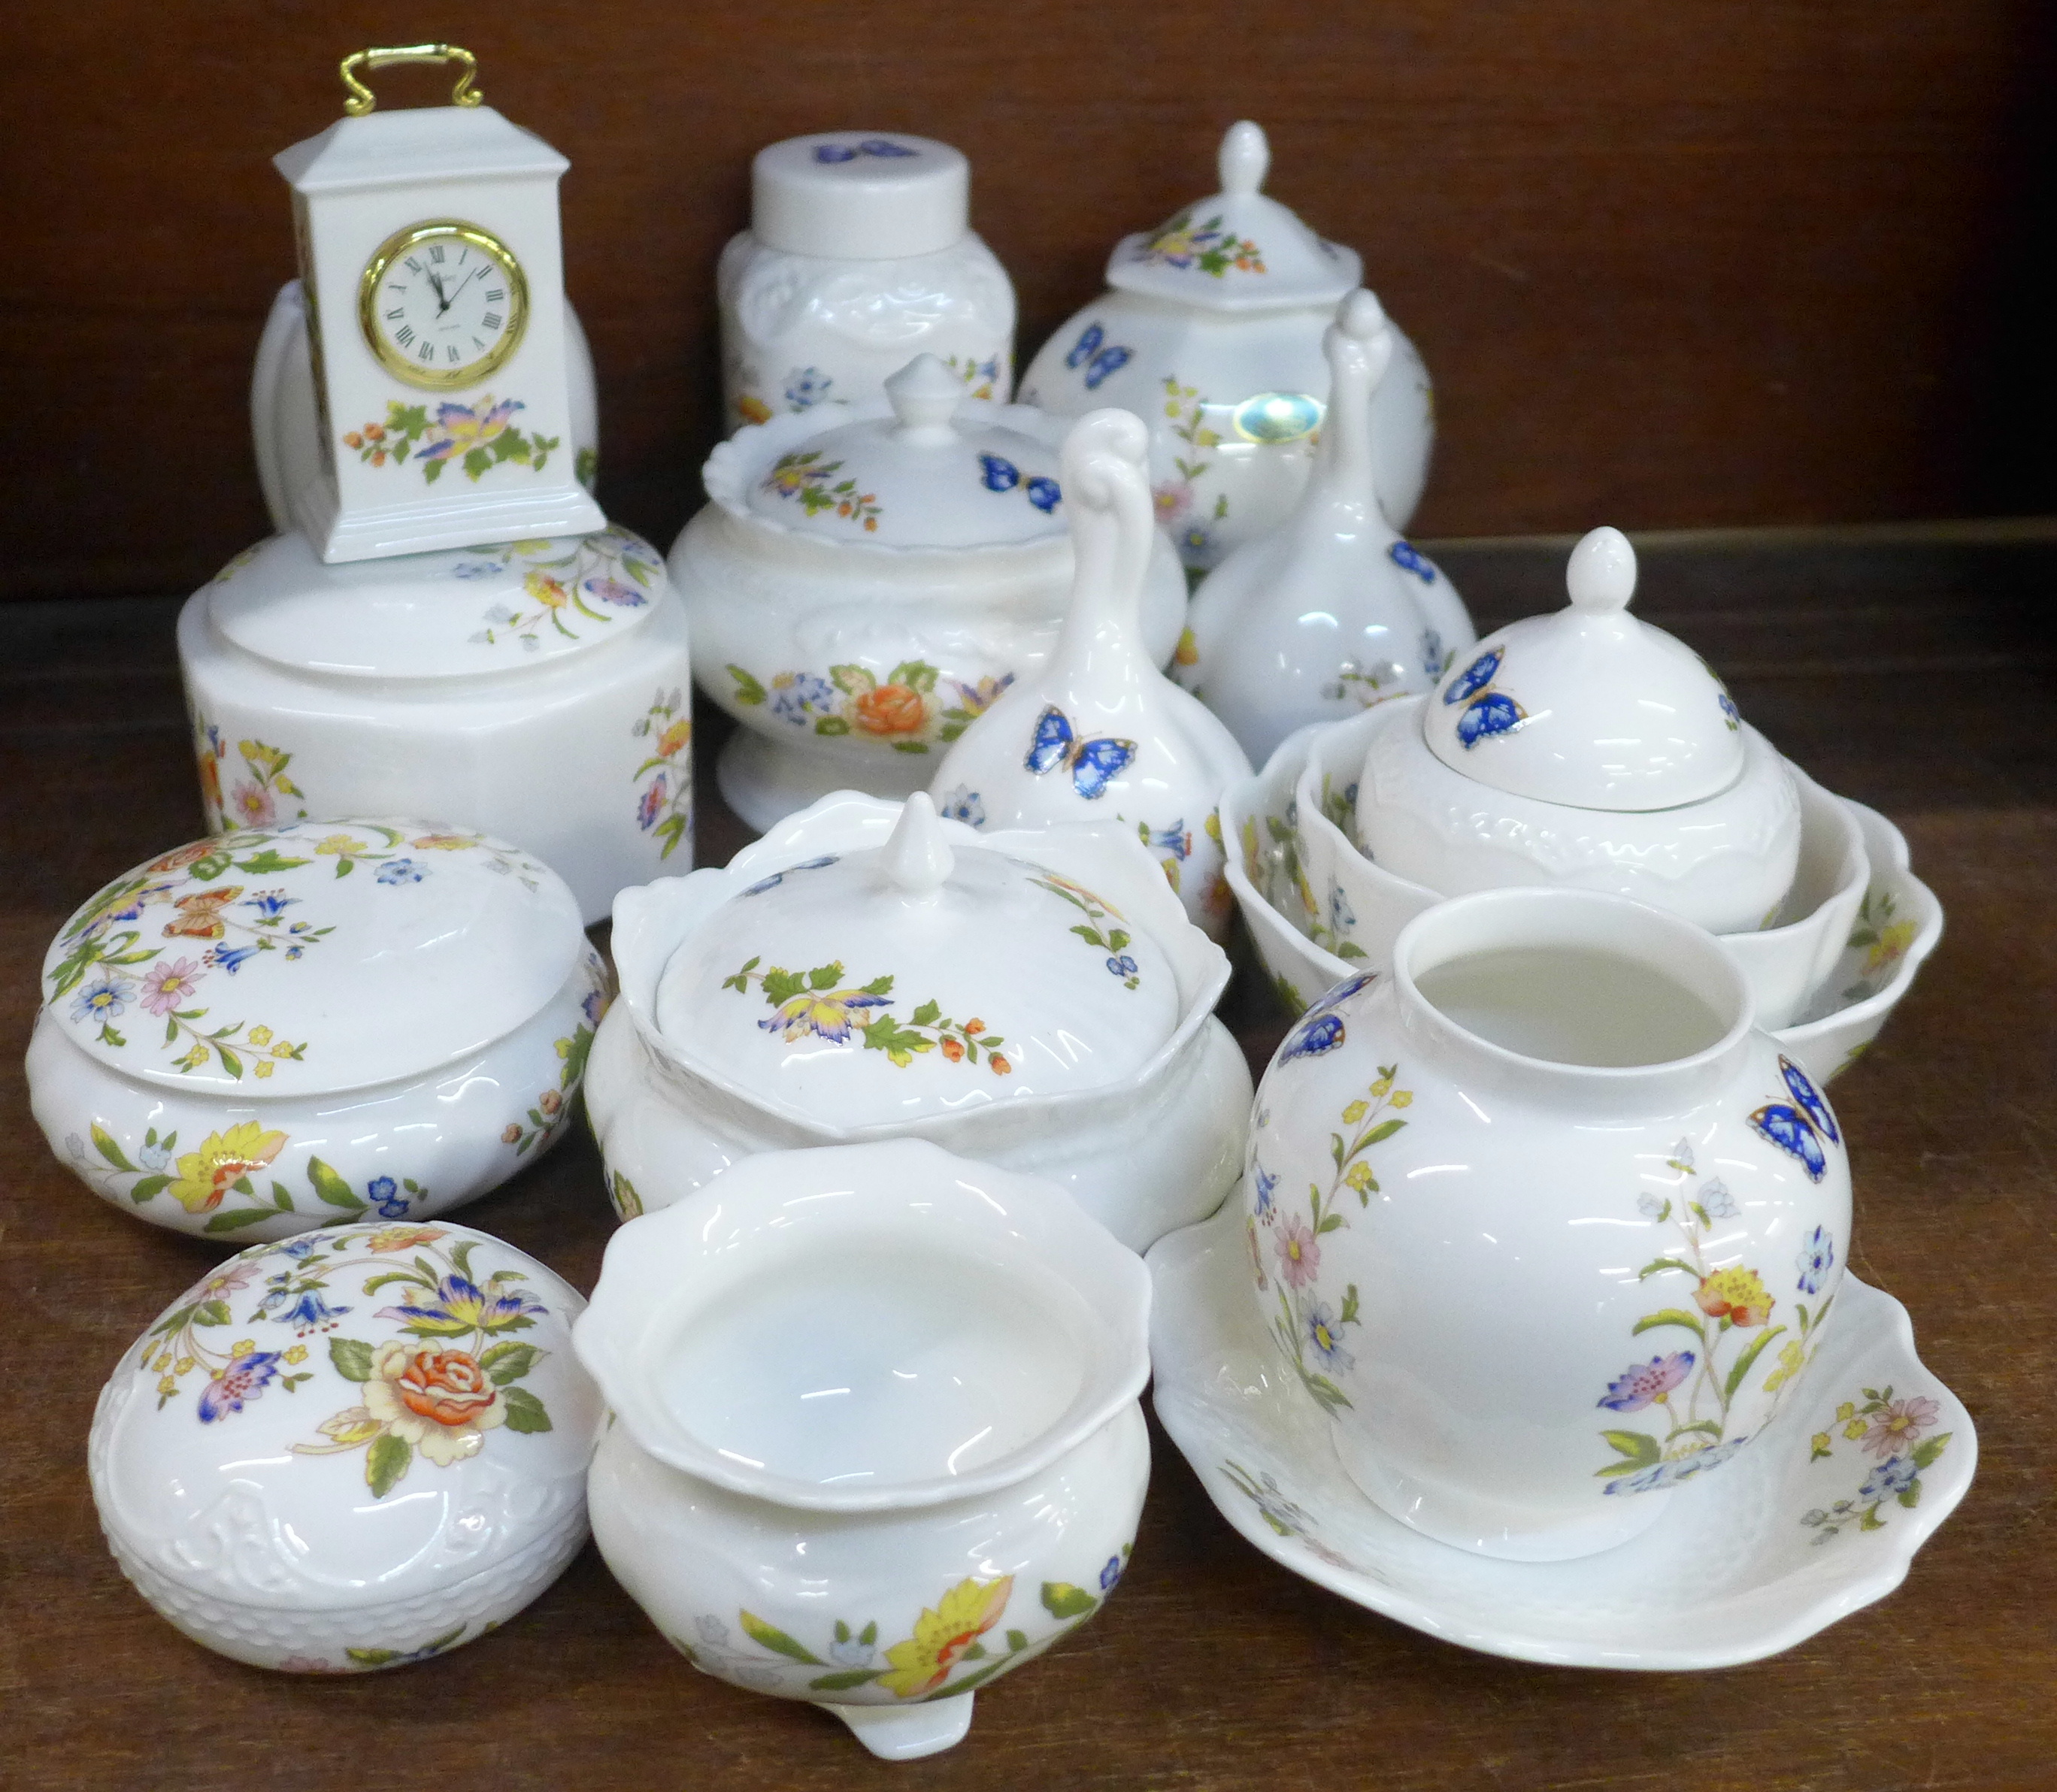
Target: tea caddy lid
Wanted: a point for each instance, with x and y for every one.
(860, 196)
(1236, 250)
(314, 958)
(890, 983)
(455, 612)
(927, 468)
(1587, 706)
(258, 1445)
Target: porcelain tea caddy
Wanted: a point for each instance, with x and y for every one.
(874, 1437)
(536, 690)
(1586, 747)
(286, 1028)
(838, 983)
(860, 254)
(866, 580)
(1212, 330)
(1553, 1090)
(1098, 728)
(356, 1450)
(1329, 611)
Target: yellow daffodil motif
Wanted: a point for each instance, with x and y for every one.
(942, 1635)
(224, 1160)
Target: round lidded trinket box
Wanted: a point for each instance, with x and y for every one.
(352, 1451)
(867, 580)
(1211, 332)
(281, 1028)
(535, 691)
(860, 254)
(838, 983)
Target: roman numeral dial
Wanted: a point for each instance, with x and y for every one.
(443, 304)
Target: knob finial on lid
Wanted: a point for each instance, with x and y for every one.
(925, 395)
(1601, 576)
(917, 858)
(1244, 157)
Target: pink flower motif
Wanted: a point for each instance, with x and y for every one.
(253, 805)
(1299, 1255)
(1172, 501)
(166, 986)
(1898, 1428)
(653, 804)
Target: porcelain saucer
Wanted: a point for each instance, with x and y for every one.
(1804, 1528)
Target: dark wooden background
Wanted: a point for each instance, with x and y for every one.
(1705, 263)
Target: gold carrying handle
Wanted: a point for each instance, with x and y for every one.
(363, 99)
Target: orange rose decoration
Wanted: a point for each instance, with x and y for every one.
(446, 1385)
(892, 709)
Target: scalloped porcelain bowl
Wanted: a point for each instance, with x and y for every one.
(1282, 873)
(1366, 905)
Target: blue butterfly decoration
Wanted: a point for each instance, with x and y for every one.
(1730, 713)
(871, 146)
(1487, 711)
(1343, 992)
(1404, 556)
(1311, 1038)
(999, 474)
(778, 878)
(1098, 361)
(1093, 763)
(1799, 1130)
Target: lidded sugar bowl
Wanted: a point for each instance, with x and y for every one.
(1211, 331)
(355, 1450)
(535, 691)
(838, 981)
(1586, 747)
(866, 580)
(287, 1027)
(860, 254)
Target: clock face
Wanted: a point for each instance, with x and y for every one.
(443, 304)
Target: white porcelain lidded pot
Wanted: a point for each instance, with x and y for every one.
(354, 1451)
(866, 580)
(1212, 331)
(1541, 1220)
(1328, 612)
(876, 1438)
(838, 981)
(1098, 728)
(535, 691)
(1588, 748)
(281, 1028)
(860, 254)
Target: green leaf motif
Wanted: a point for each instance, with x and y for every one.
(524, 1412)
(388, 1459)
(351, 1358)
(211, 1312)
(507, 1363)
(747, 689)
(148, 1186)
(1640, 1449)
(1925, 1454)
(1062, 1600)
(1742, 1363)
(103, 1142)
(1670, 1315)
(771, 1637)
(843, 1682)
(244, 1216)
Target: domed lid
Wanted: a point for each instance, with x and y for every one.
(864, 987)
(1236, 251)
(860, 196)
(1587, 706)
(930, 469)
(312, 958)
(454, 612)
(259, 1443)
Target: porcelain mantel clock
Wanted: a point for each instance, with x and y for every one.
(434, 273)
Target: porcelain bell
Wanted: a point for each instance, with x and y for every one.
(860, 255)
(1099, 728)
(286, 1028)
(354, 1451)
(866, 580)
(1212, 330)
(1587, 747)
(838, 981)
(1330, 611)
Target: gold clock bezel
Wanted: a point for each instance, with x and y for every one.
(398, 246)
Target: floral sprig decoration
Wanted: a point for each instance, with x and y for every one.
(818, 1003)
(552, 1109)
(476, 437)
(810, 480)
(1182, 243)
(611, 568)
(1096, 929)
(1900, 1435)
(664, 808)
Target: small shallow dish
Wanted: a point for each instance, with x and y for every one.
(354, 1450)
(1820, 1519)
(277, 1029)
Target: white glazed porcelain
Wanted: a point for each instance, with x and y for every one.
(1099, 727)
(1541, 1221)
(1329, 611)
(1744, 1563)
(875, 1438)
(866, 580)
(860, 254)
(1138, 1108)
(283, 1028)
(285, 426)
(355, 1450)
(535, 691)
(1212, 330)
(1588, 748)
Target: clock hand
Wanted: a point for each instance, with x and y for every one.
(458, 288)
(435, 280)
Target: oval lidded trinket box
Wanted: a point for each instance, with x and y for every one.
(354, 1451)
(1211, 332)
(281, 1028)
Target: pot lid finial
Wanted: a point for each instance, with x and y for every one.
(916, 859)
